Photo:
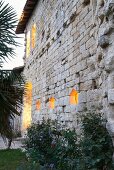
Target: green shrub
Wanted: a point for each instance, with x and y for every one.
(96, 145)
(57, 149)
(53, 148)
(68, 151)
(29, 166)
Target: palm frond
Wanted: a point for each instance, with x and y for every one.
(11, 81)
(7, 31)
(11, 94)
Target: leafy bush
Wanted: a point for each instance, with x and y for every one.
(96, 145)
(57, 149)
(29, 166)
(68, 151)
(53, 148)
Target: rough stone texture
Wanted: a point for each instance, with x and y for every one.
(74, 50)
(16, 144)
(111, 96)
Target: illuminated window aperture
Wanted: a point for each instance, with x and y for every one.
(38, 105)
(26, 116)
(28, 44)
(52, 103)
(74, 95)
(33, 36)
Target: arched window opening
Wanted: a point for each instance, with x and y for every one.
(28, 44)
(33, 36)
(52, 103)
(38, 105)
(74, 95)
(26, 116)
(28, 92)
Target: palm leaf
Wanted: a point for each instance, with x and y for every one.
(7, 31)
(11, 81)
(11, 94)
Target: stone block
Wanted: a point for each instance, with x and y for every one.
(82, 97)
(110, 127)
(103, 41)
(111, 96)
(111, 81)
(90, 42)
(94, 95)
(81, 107)
(109, 61)
(66, 100)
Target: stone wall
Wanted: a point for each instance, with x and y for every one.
(74, 50)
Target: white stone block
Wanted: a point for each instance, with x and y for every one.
(110, 127)
(82, 97)
(109, 62)
(111, 96)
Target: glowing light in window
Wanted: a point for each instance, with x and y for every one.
(28, 44)
(52, 103)
(74, 95)
(38, 105)
(28, 92)
(33, 35)
(26, 116)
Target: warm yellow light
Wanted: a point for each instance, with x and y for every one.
(74, 97)
(26, 116)
(52, 103)
(28, 92)
(38, 105)
(28, 44)
(28, 86)
(33, 35)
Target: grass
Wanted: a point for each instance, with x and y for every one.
(10, 159)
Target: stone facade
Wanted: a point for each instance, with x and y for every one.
(74, 50)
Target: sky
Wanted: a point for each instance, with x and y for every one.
(18, 59)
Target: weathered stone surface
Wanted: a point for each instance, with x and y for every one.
(103, 41)
(110, 127)
(83, 97)
(109, 7)
(111, 96)
(109, 62)
(111, 81)
(86, 2)
(74, 50)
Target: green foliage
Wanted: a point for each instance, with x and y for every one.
(68, 151)
(10, 159)
(11, 92)
(11, 82)
(53, 148)
(29, 166)
(7, 31)
(62, 150)
(96, 145)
